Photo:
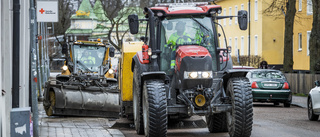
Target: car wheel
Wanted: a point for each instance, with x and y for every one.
(311, 115)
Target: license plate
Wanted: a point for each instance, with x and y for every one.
(270, 85)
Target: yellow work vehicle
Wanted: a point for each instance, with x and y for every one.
(86, 86)
(129, 49)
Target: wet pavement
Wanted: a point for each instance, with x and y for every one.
(56, 126)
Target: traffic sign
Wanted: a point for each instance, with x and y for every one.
(47, 11)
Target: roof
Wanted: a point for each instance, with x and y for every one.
(85, 11)
(185, 8)
(78, 31)
(99, 12)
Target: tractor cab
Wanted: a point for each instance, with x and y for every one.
(89, 57)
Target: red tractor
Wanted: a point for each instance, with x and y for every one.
(181, 72)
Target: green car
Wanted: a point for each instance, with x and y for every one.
(270, 85)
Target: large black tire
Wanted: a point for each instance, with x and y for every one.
(240, 119)
(155, 114)
(311, 115)
(137, 103)
(217, 123)
(52, 100)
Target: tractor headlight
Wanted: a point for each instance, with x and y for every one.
(110, 71)
(199, 75)
(205, 75)
(193, 75)
(65, 68)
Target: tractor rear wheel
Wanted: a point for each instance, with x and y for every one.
(155, 114)
(137, 103)
(240, 119)
(217, 123)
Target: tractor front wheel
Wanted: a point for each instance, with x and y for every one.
(217, 123)
(155, 114)
(240, 119)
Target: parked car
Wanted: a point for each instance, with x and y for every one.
(270, 85)
(314, 102)
(243, 67)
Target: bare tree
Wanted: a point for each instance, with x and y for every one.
(117, 12)
(65, 12)
(314, 41)
(288, 8)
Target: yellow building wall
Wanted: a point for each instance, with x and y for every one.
(272, 35)
(302, 24)
(268, 31)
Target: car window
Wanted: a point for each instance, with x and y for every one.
(267, 75)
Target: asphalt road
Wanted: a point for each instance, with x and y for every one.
(269, 121)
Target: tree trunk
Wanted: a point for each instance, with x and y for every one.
(288, 51)
(314, 42)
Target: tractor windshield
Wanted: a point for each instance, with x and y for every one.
(186, 31)
(189, 31)
(88, 58)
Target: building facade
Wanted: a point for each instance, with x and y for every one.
(267, 32)
(6, 44)
(301, 35)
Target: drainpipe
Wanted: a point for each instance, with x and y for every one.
(15, 54)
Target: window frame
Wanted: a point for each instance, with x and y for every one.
(308, 38)
(299, 41)
(256, 10)
(300, 5)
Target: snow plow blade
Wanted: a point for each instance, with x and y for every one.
(68, 100)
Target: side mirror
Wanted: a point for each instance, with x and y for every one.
(243, 19)
(64, 49)
(133, 23)
(111, 52)
(317, 83)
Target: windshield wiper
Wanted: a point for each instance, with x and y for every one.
(200, 23)
(84, 66)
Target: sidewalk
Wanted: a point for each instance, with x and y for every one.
(300, 101)
(75, 126)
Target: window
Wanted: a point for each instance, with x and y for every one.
(256, 45)
(309, 7)
(230, 14)
(300, 5)
(224, 13)
(236, 46)
(242, 7)
(308, 37)
(300, 42)
(236, 14)
(242, 45)
(256, 10)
